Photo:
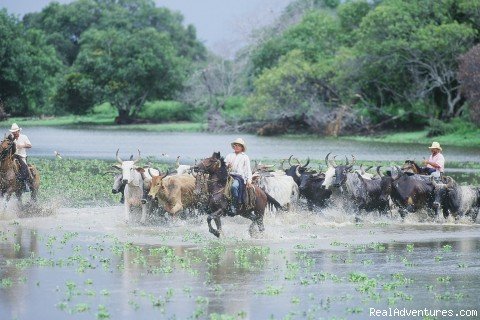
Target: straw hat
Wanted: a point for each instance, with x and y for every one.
(240, 142)
(435, 145)
(15, 128)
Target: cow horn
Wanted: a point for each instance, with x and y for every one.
(326, 159)
(346, 161)
(118, 158)
(334, 164)
(306, 164)
(290, 158)
(379, 172)
(281, 164)
(353, 160)
(361, 169)
(163, 176)
(297, 171)
(150, 172)
(138, 159)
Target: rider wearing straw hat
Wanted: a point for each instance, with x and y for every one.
(436, 161)
(238, 164)
(22, 143)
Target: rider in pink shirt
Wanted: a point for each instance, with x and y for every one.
(436, 161)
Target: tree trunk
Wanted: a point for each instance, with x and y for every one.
(123, 117)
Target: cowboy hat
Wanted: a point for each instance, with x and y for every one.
(240, 142)
(15, 128)
(435, 145)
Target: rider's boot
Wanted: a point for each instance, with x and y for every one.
(233, 209)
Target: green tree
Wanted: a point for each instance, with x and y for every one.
(28, 66)
(407, 52)
(126, 69)
(293, 87)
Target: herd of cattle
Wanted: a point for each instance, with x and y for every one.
(399, 190)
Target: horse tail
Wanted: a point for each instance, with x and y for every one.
(271, 200)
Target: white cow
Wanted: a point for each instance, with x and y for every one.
(280, 186)
(183, 168)
(136, 181)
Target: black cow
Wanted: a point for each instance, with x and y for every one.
(456, 200)
(312, 188)
(296, 170)
(118, 186)
(410, 192)
(369, 196)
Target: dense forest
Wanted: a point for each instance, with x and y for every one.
(324, 66)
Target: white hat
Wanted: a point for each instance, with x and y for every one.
(15, 128)
(240, 142)
(435, 145)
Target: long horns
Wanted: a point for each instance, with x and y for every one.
(120, 159)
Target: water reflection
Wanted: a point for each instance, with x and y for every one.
(304, 269)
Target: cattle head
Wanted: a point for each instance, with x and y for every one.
(386, 183)
(128, 168)
(440, 191)
(156, 184)
(342, 171)
(309, 180)
(118, 184)
(296, 170)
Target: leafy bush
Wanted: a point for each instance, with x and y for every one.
(105, 109)
(438, 128)
(166, 111)
(235, 108)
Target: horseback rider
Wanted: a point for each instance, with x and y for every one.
(22, 143)
(238, 164)
(435, 165)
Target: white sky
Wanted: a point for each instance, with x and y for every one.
(222, 25)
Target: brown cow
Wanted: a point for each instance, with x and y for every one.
(174, 192)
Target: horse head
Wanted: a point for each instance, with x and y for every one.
(7, 147)
(211, 165)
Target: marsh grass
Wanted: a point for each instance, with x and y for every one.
(77, 183)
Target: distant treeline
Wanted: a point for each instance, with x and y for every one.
(324, 66)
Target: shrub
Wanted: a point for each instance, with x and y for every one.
(166, 111)
(438, 128)
(235, 108)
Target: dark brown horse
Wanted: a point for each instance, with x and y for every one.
(9, 169)
(410, 166)
(217, 201)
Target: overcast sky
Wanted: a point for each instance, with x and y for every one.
(221, 24)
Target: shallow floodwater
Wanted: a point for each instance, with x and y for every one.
(102, 144)
(87, 263)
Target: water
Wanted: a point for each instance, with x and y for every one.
(86, 263)
(102, 144)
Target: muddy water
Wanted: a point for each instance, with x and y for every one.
(87, 263)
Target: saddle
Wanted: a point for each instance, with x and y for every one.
(247, 196)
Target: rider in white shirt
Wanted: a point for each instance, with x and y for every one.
(238, 164)
(22, 143)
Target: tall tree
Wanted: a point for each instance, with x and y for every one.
(28, 66)
(127, 69)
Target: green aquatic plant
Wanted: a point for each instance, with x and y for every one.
(447, 248)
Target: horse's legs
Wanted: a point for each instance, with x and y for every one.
(216, 217)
